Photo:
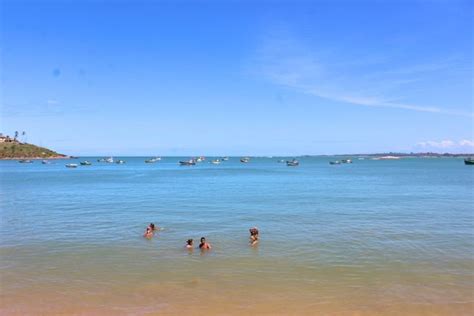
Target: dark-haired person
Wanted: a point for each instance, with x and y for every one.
(204, 245)
(253, 236)
(189, 244)
(148, 233)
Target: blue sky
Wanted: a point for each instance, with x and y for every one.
(238, 77)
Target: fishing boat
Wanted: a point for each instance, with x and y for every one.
(469, 161)
(215, 162)
(337, 162)
(190, 162)
(71, 165)
(25, 161)
(245, 160)
(292, 163)
(101, 160)
(46, 162)
(225, 158)
(346, 161)
(86, 163)
(109, 160)
(120, 162)
(152, 160)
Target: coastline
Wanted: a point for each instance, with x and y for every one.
(36, 158)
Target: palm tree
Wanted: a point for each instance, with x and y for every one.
(16, 135)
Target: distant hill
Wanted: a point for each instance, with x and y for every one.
(17, 150)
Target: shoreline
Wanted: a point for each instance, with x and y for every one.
(36, 158)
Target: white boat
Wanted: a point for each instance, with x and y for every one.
(109, 160)
(71, 165)
(225, 158)
(346, 161)
(46, 162)
(153, 160)
(120, 162)
(215, 161)
(85, 163)
(245, 159)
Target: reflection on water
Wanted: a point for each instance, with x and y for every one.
(374, 237)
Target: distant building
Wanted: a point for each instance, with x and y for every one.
(6, 139)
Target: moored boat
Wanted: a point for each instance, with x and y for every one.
(225, 158)
(71, 165)
(46, 162)
(281, 161)
(337, 162)
(109, 160)
(86, 163)
(346, 161)
(152, 160)
(120, 162)
(215, 161)
(292, 163)
(245, 159)
(25, 161)
(469, 161)
(190, 162)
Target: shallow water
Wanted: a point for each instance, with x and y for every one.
(368, 238)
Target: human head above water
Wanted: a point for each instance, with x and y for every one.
(203, 240)
(152, 226)
(189, 242)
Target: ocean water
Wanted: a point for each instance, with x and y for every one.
(367, 238)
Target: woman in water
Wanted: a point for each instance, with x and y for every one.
(204, 245)
(253, 236)
(152, 227)
(189, 244)
(148, 233)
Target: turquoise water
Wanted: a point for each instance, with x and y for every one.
(368, 236)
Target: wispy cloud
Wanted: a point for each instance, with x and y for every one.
(287, 62)
(447, 144)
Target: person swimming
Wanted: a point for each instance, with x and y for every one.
(253, 236)
(152, 227)
(204, 245)
(148, 232)
(189, 244)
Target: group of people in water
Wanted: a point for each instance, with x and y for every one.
(203, 245)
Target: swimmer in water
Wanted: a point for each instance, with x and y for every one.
(204, 245)
(152, 227)
(253, 236)
(189, 244)
(148, 233)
